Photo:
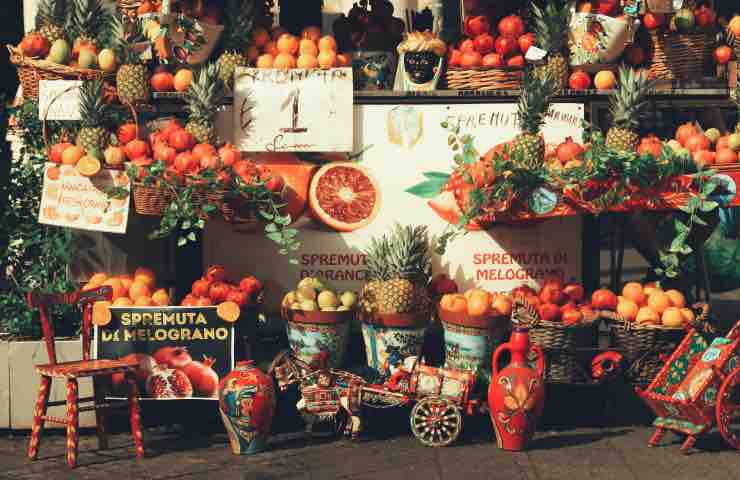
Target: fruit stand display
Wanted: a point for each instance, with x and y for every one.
(156, 89)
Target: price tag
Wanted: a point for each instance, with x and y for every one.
(59, 99)
(535, 54)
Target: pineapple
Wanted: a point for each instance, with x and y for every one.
(88, 24)
(399, 268)
(238, 28)
(205, 95)
(51, 17)
(131, 81)
(627, 105)
(93, 136)
(551, 26)
(528, 148)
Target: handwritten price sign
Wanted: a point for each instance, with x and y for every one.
(293, 110)
(72, 200)
(59, 99)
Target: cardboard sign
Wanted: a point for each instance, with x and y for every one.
(293, 110)
(156, 333)
(72, 200)
(59, 99)
(409, 147)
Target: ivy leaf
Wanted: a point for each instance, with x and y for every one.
(708, 188)
(428, 189)
(708, 206)
(181, 241)
(271, 227)
(191, 236)
(437, 175)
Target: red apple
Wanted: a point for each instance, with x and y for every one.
(549, 312)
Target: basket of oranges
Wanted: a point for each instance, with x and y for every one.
(646, 324)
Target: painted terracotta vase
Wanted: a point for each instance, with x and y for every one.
(246, 401)
(516, 395)
(390, 339)
(470, 341)
(313, 332)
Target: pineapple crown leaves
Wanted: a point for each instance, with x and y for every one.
(52, 12)
(205, 95)
(551, 25)
(402, 254)
(89, 20)
(238, 24)
(628, 102)
(125, 36)
(93, 109)
(534, 101)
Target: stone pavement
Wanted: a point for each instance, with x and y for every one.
(618, 453)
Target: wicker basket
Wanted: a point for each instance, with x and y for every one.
(150, 199)
(31, 71)
(564, 362)
(484, 79)
(644, 346)
(129, 7)
(679, 56)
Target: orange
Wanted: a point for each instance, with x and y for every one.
(183, 79)
(311, 33)
(454, 302)
(605, 80)
(308, 46)
(88, 166)
(688, 315)
(265, 61)
(628, 309)
(344, 60)
(677, 298)
(307, 61)
(297, 177)
(260, 37)
(479, 304)
(271, 48)
(277, 32)
(659, 302)
(326, 43)
(672, 317)
(123, 302)
(98, 278)
(101, 313)
(145, 275)
(53, 173)
(117, 286)
(252, 53)
(287, 43)
(284, 60)
(228, 311)
(501, 305)
(647, 315)
(72, 155)
(633, 291)
(161, 298)
(734, 25)
(327, 58)
(138, 289)
(126, 281)
(144, 301)
(649, 289)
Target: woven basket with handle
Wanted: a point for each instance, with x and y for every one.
(676, 56)
(33, 70)
(484, 79)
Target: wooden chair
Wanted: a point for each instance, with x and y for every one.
(71, 371)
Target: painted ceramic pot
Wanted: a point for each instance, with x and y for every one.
(470, 341)
(516, 395)
(598, 39)
(373, 70)
(246, 400)
(313, 332)
(390, 339)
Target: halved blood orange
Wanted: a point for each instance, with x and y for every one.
(88, 166)
(228, 311)
(343, 196)
(297, 176)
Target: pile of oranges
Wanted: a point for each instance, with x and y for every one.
(137, 290)
(478, 303)
(68, 154)
(649, 304)
(280, 49)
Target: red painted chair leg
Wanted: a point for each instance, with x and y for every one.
(688, 444)
(135, 415)
(72, 422)
(38, 423)
(656, 437)
(101, 414)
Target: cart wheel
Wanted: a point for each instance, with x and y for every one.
(728, 409)
(436, 422)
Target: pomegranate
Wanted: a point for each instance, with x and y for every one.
(250, 285)
(127, 133)
(168, 383)
(653, 20)
(203, 378)
(442, 284)
(215, 273)
(200, 287)
(181, 140)
(173, 357)
(574, 291)
(237, 296)
(697, 142)
(493, 60)
(705, 16)
(146, 365)
(652, 148)
(511, 26)
(684, 132)
(478, 25)
(548, 312)
(484, 43)
(229, 155)
(219, 291)
(454, 58)
(516, 61)
(569, 150)
(579, 80)
(525, 42)
(506, 46)
(604, 299)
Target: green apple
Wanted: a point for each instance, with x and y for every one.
(59, 52)
(713, 135)
(327, 298)
(87, 58)
(348, 299)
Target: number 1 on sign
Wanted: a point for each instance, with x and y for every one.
(294, 98)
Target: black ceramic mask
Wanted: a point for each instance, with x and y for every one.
(420, 66)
